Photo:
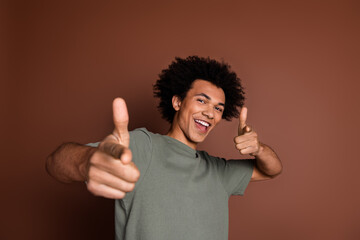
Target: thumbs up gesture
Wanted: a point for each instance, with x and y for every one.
(247, 140)
(111, 172)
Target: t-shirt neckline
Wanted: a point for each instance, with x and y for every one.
(182, 145)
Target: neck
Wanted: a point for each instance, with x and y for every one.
(177, 133)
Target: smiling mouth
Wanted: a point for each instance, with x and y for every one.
(205, 124)
(202, 125)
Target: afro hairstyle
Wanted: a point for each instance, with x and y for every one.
(177, 79)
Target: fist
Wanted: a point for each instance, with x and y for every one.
(247, 140)
(111, 172)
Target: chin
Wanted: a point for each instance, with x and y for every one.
(198, 139)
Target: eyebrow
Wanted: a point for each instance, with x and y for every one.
(209, 98)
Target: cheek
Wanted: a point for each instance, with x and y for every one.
(218, 118)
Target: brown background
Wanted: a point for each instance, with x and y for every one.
(64, 61)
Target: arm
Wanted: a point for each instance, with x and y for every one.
(70, 162)
(267, 163)
(108, 169)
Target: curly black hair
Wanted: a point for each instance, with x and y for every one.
(177, 79)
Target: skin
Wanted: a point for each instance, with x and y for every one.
(109, 170)
(267, 164)
(204, 101)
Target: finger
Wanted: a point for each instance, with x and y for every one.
(247, 129)
(248, 150)
(250, 143)
(242, 120)
(114, 149)
(243, 145)
(128, 172)
(250, 136)
(104, 191)
(244, 151)
(121, 121)
(110, 180)
(126, 156)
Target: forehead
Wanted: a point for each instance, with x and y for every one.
(202, 86)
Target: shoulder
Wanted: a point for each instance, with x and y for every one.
(143, 133)
(215, 161)
(227, 163)
(140, 138)
(140, 132)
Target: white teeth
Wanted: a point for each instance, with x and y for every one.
(202, 123)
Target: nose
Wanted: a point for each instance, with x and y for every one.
(208, 112)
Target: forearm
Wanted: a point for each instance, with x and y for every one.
(267, 161)
(69, 162)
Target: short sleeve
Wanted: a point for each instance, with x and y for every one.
(235, 174)
(140, 146)
(141, 149)
(92, 144)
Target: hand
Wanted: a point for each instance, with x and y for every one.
(111, 172)
(247, 140)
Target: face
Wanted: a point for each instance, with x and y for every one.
(198, 113)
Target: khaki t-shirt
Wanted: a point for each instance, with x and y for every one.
(182, 194)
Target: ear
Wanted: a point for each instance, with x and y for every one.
(176, 102)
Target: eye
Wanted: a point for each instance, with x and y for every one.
(200, 100)
(218, 109)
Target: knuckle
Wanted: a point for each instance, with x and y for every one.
(129, 153)
(129, 187)
(132, 186)
(239, 146)
(114, 150)
(91, 172)
(126, 155)
(98, 158)
(120, 195)
(113, 195)
(136, 175)
(94, 158)
(238, 139)
(91, 188)
(122, 170)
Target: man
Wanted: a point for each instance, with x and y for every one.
(165, 188)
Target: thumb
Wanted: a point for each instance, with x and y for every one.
(121, 121)
(126, 156)
(242, 120)
(247, 129)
